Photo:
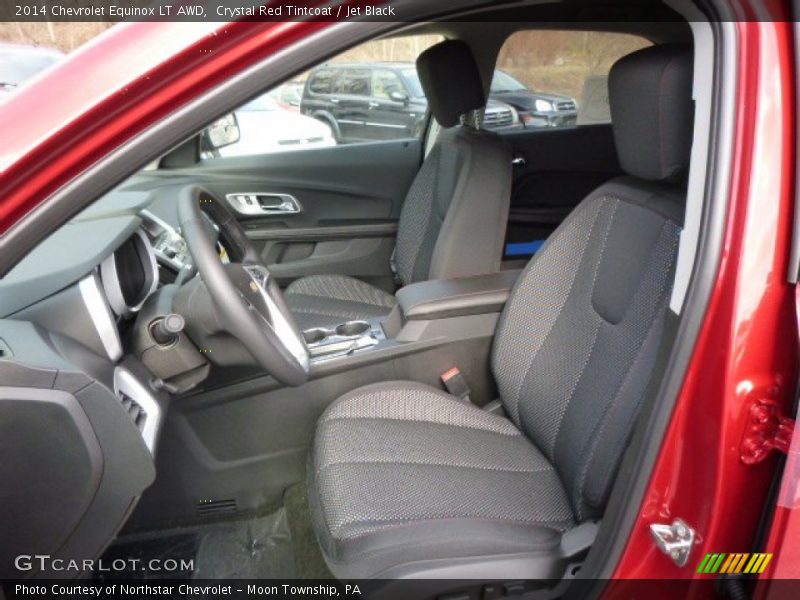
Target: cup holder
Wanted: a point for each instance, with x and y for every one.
(353, 328)
(315, 336)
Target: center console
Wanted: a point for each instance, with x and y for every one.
(446, 298)
(426, 312)
(344, 339)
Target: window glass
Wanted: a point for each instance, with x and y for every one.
(559, 78)
(321, 81)
(337, 102)
(385, 83)
(412, 80)
(352, 82)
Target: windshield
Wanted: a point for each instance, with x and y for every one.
(503, 82)
(18, 65)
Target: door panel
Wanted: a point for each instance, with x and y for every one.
(349, 197)
(554, 170)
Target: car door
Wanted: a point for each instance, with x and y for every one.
(553, 170)
(321, 210)
(327, 203)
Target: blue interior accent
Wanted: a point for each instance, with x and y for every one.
(524, 248)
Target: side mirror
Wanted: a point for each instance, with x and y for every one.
(222, 132)
(397, 96)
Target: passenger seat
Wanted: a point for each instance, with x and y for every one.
(454, 217)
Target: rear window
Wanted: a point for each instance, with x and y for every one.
(353, 82)
(322, 82)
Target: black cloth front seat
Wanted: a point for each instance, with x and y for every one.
(406, 480)
(453, 220)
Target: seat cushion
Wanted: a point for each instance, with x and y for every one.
(402, 472)
(328, 300)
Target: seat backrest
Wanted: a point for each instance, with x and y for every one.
(578, 339)
(454, 217)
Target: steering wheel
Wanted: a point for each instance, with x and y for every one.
(249, 303)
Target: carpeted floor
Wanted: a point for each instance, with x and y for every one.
(279, 545)
(308, 558)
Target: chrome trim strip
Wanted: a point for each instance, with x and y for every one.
(100, 313)
(126, 383)
(294, 343)
(389, 125)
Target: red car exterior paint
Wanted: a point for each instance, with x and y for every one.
(747, 348)
(113, 89)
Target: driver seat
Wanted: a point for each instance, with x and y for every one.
(453, 220)
(406, 480)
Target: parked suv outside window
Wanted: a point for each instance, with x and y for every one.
(535, 108)
(380, 101)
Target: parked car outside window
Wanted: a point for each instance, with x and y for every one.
(535, 109)
(265, 127)
(380, 101)
(288, 95)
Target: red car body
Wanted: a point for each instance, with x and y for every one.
(747, 349)
(748, 344)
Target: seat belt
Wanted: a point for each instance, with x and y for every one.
(455, 383)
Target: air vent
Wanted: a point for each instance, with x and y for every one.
(216, 507)
(135, 412)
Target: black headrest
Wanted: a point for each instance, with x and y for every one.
(650, 93)
(451, 81)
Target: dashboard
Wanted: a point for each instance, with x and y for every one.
(121, 224)
(70, 314)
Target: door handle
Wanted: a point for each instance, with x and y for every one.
(264, 203)
(519, 161)
(334, 100)
(374, 104)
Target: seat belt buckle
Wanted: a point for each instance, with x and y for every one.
(455, 383)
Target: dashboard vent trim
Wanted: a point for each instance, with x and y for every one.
(142, 407)
(100, 313)
(216, 507)
(137, 414)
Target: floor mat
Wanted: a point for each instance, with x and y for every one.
(255, 548)
(308, 558)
